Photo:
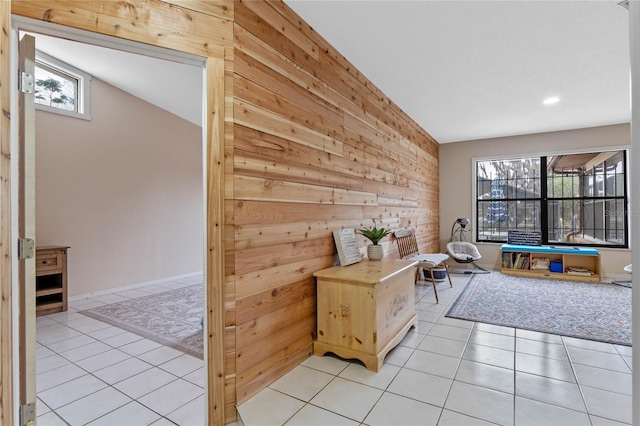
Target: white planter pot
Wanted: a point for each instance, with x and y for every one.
(374, 252)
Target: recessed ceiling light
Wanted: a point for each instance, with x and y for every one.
(552, 100)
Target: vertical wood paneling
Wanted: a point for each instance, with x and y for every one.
(215, 238)
(6, 320)
(229, 293)
(292, 186)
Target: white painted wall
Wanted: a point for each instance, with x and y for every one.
(123, 190)
(456, 179)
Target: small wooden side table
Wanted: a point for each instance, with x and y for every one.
(365, 309)
(51, 279)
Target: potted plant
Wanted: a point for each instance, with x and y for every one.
(374, 251)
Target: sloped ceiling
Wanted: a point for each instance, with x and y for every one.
(173, 86)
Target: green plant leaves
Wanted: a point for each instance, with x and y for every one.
(374, 234)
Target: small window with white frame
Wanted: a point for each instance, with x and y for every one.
(61, 88)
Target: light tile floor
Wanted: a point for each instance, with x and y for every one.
(447, 372)
(92, 373)
(454, 372)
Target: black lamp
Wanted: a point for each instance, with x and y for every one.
(463, 222)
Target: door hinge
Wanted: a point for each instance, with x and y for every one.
(26, 248)
(25, 82)
(28, 414)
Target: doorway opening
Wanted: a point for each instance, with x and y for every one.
(114, 195)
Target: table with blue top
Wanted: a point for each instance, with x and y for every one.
(567, 262)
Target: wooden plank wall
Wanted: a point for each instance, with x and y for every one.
(310, 145)
(316, 146)
(6, 313)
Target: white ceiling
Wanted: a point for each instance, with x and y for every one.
(463, 70)
(476, 69)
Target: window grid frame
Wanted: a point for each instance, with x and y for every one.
(544, 201)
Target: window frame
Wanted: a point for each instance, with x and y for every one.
(83, 95)
(545, 198)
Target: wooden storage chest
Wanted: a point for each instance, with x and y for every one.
(365, 309)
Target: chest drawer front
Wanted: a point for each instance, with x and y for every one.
(48, 261)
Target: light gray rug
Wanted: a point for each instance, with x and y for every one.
(586, 310)
(171, 318)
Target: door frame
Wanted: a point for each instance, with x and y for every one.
(634, 46)
(25, 228)
(213, 195)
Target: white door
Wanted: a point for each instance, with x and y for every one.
(26, 231)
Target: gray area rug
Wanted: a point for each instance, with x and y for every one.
(594, 311)
(171, 317)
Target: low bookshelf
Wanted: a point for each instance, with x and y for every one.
(571, 263)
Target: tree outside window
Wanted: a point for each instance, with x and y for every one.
(576, 199)
(55, 89)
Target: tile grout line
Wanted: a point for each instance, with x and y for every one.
(466, 344)
(515, 369)
(130, 356)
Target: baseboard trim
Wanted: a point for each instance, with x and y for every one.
(615, 277)
(132, 286)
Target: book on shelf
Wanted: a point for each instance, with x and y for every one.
(515, 260)
(578, 270)
(516, 264)
(506, 260)
(522, 261)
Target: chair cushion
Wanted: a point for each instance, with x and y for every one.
(430, 260)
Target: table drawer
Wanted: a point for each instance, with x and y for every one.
(49, 261)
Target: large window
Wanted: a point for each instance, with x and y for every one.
(574, 199)
(60, 87)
